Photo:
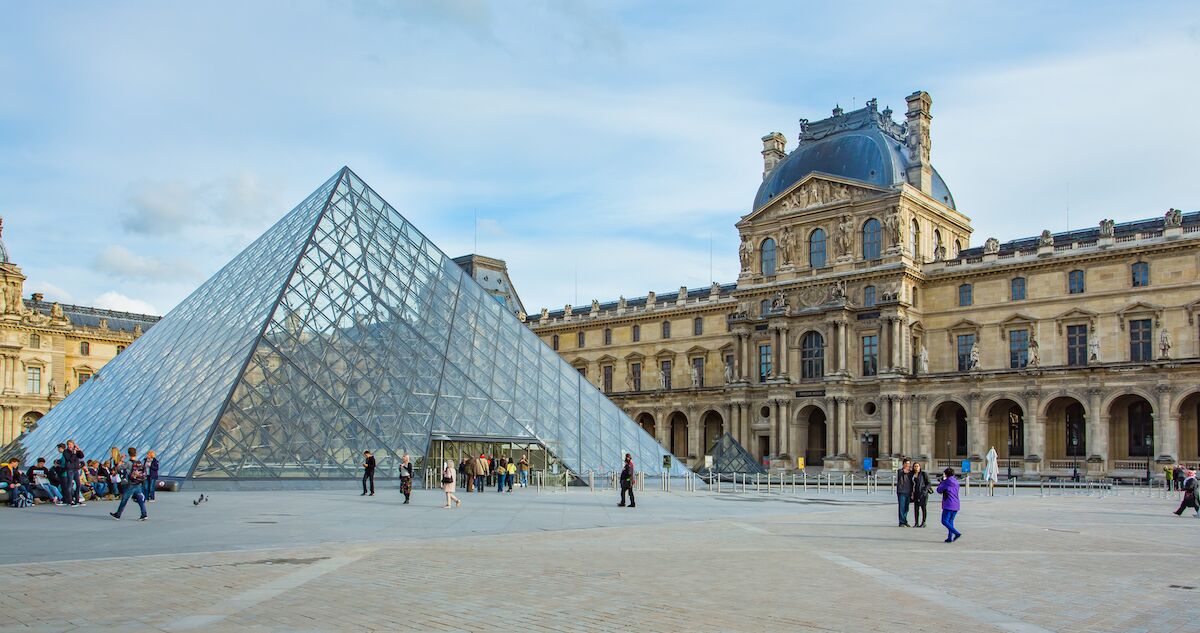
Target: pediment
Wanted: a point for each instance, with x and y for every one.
(1017, 319)
(963, 326)
(607, 358)
(1075, 314)
(696, 350)
(634, 357)
(815, 190)
(1140, 307)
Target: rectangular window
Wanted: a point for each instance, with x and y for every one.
(870, 355)
(1018, 348)
(608, 371)
(764, 362)
(84, 377)
(579, 340)
(698, 366)
(637, 333)
(1141, 274)
(665, 369)
(33, 380)
(964, 295)
(1017, 289)
(869, 297)
(965, 343)
(666, 329)
(636, 370)
(1077, 342)
(607, 336)
(1140, 348)
(1075, 282)
(698, 326)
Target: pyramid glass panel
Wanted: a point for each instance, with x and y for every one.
(341, 329)
(731, 457)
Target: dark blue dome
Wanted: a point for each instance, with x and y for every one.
(865, 154)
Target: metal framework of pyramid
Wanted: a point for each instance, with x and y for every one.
(341, 329)
(730, 457)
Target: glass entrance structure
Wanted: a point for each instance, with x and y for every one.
(339, 330)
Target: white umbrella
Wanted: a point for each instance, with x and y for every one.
(991, 470)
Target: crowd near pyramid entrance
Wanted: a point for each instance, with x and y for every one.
(339, 330)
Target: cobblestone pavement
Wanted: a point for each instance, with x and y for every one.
(573, 561)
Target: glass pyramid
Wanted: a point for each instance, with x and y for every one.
(730, 457)
(339, 330)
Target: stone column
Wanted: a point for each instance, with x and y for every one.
(886, 427)
(785, 351)
(924, 426)
(831, 348)
(896, 342)
(1097, 427)
(831, 427)
(844, 424)
(842, 346)
(977, 424)
(1166, 425)
(785, 428)
(1035, 435)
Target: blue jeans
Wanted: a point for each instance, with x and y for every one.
(151, 483)
(500, 477)
(70, 487)
(524, 478)
(948, 521)
(137, 492)
(903, 501)
(479, 483)
(100, 488)
(52, 491)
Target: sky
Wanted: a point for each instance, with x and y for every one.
(601, 149)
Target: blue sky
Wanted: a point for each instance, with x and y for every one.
(601, 146)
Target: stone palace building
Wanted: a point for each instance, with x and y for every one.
(48, 349)
(864, 324)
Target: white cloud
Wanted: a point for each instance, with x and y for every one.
(52, 292)
(167, 207)
(113, 300)
(125, 264)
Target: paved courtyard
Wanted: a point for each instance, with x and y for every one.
(573, 561)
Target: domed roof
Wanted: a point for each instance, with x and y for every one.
(863, 145)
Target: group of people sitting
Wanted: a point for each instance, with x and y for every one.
(72, 480)
(486, 471)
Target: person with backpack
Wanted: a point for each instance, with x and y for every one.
(627, 482)
(132, 474)
(512, 474)
(151, 475)
(1189, 494)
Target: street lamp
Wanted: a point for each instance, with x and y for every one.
(1148, 452)
(1012, 429)
(1074, 452)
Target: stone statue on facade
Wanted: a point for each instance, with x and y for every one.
(845, 237)
(728, 373)
(745, 252)
(1164, 343)
(974, 357)
(695, 377)
(923, 360)
(991, 246)
(1093, 347)
(779, 302)
(939, 253)
(662, 377)
(651, 300)
(1034, 353)
(56, 311)
(1107, 228)
(568, 311)
(1173, 219)
(714, 291)
(628, 379)
(1046, 238)
(786, 245)
(622, 303)
(522, 316)
(545, 314)
(837, 291)
(895, 227)
(595, 306)
(53, 387)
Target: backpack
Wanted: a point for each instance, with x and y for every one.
(137, 472)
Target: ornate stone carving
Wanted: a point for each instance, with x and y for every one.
(923, 360)
(622, 303)
(1046, 238)
(568, 311)
(695, 377)
(745, 251)
(779, 303)
(939, 253)
(1173, 219)
(845, 236)
(595, 306)
(837, 291)
(1107, 228)
(545, 315)
(787, 245)
(1093, 346)
(893, 222)
(714, 291)
(1034, 353)
(522, 316)
(1164, 343)
(991, 246)
(974, 357)
(728, 373)
(651, 299)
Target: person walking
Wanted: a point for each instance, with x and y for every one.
(501, 473)
(511, 474)
(627, 482)
(448, 484)
(1189, 494)
(464, 470)
(523, 466)
(368, 473)
(133, 479)
(904, 484)
(406, 477)
(151, 475)
(948, 488)
(920, 495)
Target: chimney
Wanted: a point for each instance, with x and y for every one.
(773, 151)
(920, 174)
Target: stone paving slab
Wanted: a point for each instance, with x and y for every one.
(574, 562)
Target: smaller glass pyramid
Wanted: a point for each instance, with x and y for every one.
(730, 457)
(341, 329)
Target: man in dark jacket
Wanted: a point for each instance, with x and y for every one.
(904, 484)
(627, 482)
(11, 480)
(368, 472)
(72, 463)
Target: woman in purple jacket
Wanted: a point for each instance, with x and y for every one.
(949, 490)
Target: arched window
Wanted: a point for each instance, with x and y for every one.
(666, 329)
(608, 336)
(698, 326)
(964, 295)
(812, 356)
(872, 239)
(554, 342)
(914, 240)
(816, 249)
(767, 257)
(637, 333)
(957, 249)
(869, 297)
(85, 348)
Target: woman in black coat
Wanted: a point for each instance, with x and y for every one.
(920, 495)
